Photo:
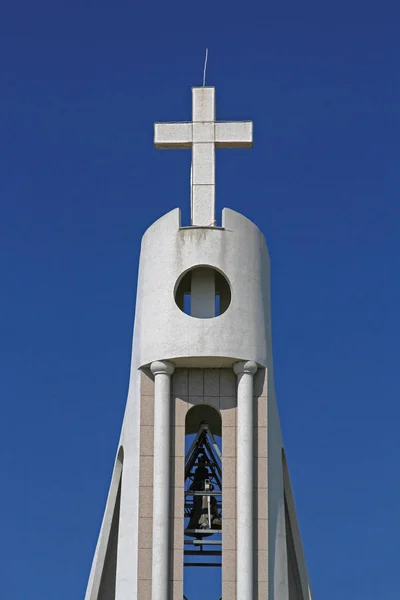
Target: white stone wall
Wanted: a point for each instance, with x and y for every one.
(164, 332)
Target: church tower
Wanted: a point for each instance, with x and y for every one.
(200, 503)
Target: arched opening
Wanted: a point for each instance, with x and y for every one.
(109, 570)
(203, 504)
(294, 579)
(203, 292)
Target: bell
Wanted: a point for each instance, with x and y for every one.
(205, 508)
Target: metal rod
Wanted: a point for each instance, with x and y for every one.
(203, 531)
(190, 493)
(197, 553)
(195, 564)
(204, 542)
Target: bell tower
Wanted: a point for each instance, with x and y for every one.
(200, 502)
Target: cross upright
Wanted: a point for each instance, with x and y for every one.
(203, 134)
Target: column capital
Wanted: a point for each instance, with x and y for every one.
(245, 366)
(159, 367)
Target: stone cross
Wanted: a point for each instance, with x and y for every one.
(203, 134)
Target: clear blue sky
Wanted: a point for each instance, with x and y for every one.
(80, 181)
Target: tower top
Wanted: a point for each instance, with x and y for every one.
(203, 134)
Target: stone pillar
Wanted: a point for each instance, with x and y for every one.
(244, 480)
(162, 372)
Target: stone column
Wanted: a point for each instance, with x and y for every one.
(244, 480)
(162, 372)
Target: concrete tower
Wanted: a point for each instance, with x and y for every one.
(200, 477)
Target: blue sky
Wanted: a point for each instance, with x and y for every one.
(80, 181)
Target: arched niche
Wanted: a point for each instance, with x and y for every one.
(203, 501)
(109, 546)
(203, 413)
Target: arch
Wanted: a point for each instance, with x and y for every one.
(297, 577)
(200, 413)
(120, 456)
(202, 265)
(102, 580)
(203, 511)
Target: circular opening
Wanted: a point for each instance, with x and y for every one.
(203, 292)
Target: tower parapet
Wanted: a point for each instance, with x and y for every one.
(234, 269)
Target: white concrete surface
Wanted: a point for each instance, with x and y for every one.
(203, 135)
(93, 587)
(203, 293)
(239, 251)
(162, 372)
(244, 480)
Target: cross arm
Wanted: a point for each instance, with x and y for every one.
(234, 134)
(172, 135)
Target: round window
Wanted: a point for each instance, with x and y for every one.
(203, 292)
